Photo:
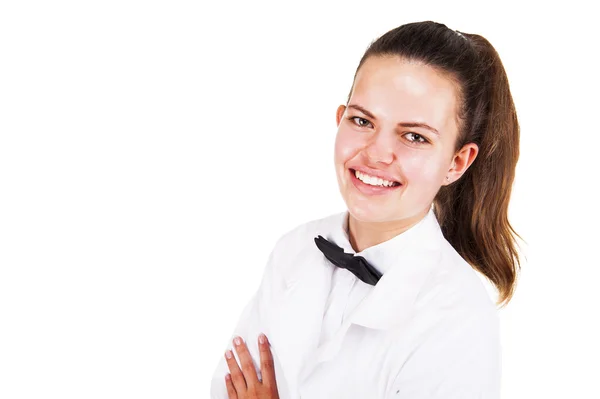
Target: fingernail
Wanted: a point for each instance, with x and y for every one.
(237, 341)
(228, 354)
(261, 338)
(228, 377)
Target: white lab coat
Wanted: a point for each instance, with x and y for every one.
(428, 330)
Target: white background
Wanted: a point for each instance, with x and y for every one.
(151, 153)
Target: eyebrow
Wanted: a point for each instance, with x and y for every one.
(403, 124)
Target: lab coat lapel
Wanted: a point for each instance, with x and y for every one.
(391, 302)
(298, 317)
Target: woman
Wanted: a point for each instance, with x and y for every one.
(425, 157)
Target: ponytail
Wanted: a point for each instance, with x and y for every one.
(473, 212)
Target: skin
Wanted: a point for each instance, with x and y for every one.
(244, 383)
(394, 90)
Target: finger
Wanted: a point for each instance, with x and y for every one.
(267, 367)
(237, 377)
(246, 361)
(231, 393)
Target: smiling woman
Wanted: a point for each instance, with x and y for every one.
(390, 303)
(403, 105)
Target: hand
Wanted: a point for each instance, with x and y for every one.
(244, 384)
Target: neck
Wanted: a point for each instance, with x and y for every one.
(367, 234)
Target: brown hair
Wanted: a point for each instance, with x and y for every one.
(472, 211)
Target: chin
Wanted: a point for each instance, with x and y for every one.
(369, 213)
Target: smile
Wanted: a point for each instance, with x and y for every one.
(373, 180)
(370, 185)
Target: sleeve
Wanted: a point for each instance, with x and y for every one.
(461, 361)
(253, 321)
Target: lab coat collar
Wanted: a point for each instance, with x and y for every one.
(405, 261)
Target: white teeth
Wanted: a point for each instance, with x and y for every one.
(371, 180)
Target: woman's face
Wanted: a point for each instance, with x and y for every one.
(383, 132)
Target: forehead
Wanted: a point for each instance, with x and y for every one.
(400, 90)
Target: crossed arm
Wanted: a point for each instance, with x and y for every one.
(244, 383)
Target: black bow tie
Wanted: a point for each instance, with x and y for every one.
(356, 264)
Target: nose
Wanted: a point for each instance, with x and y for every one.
(381, 147)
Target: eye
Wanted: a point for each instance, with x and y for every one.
(417, 138)
(352, 118)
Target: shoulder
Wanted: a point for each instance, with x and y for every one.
(458, 282)
(297, 244)
(454, 335)
(297, 238)
(456, 296)
(455, 326)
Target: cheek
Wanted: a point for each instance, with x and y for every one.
(423, 168)
(346, 147)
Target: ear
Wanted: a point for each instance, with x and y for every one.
(339, 113)
(461, 162)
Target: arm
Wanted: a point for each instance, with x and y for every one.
(253, 321)
(218, 388)
(458, 362)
